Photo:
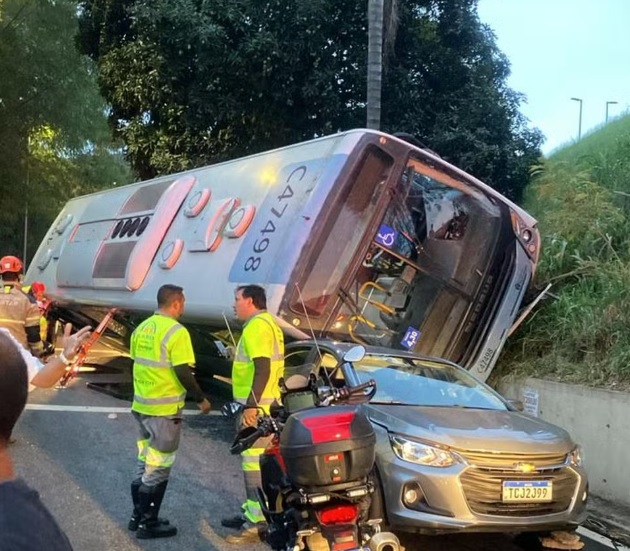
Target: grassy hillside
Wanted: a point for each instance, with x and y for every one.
(581, 332)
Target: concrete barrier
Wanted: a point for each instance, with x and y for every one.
(597, 419)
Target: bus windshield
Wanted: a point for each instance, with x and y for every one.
(343, 231)
(428, 268)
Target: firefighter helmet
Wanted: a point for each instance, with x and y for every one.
(38, 288)
(10, 264)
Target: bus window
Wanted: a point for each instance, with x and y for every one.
(341, 235)
(426, 266)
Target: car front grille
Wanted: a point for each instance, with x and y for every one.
(483, 480)
(507, 461)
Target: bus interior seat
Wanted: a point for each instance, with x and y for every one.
(397, 290)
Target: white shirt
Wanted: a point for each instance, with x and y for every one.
(32, 363)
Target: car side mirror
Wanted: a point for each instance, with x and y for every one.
(355, 354)
(515, 405)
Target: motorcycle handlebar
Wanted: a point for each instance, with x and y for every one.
(267, 425)
(346, 392)
(247, 442)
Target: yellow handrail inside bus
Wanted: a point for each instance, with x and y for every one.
(351, 323)
(381, 306)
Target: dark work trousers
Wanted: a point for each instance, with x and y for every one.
(158, 440)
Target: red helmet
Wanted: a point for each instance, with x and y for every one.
(10, 264)
(38, 287)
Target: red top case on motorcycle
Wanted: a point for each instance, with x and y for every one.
(325, 447)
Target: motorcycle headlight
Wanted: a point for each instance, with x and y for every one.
(576, 456)
(422, 454)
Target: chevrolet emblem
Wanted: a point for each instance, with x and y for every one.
(525, 467)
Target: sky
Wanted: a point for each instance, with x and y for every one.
(563, 49)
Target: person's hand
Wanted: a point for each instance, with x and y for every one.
(231, 352)
(72, 343)
(249, 417)
(204, 406)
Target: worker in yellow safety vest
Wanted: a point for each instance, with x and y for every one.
(19, 313)
(256, 371)
(163, 356)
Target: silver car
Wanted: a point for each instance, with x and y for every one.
(452, 454)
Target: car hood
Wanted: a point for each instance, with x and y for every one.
(473, 429)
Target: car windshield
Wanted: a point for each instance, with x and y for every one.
(411, 381)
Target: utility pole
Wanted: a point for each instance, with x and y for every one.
(607, 104)
(580, 119)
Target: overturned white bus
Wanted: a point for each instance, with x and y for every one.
(359, 235)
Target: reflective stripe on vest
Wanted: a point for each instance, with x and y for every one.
(157, 390)
(11, 320)
(243, 367)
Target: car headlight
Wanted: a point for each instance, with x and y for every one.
(422, 454)
(576, 456)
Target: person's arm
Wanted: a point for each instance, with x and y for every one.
(262, 372)
(182, 356)
(187, 379)
(54, 369)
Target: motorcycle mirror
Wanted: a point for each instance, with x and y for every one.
(355, 354)
(231, 409)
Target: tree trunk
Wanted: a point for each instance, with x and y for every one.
(375, 63)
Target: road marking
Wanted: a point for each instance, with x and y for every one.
(99, 409)
(599, 538)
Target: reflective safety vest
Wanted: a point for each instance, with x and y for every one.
(18, 312)
(261, 338)
(158, 344)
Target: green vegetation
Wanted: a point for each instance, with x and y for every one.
(54, 139)
(193, 83)
(581, 332)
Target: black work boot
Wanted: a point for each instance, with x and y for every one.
(150, 500)
(135, 516)
(135, 498)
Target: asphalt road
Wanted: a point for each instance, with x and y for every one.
(77, 448)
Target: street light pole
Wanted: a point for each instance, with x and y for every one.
(607, 104)
(580, 120)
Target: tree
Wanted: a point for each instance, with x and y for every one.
(446, 84)
(192, 83)
(52, 117)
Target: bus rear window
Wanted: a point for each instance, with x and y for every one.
(344, 227)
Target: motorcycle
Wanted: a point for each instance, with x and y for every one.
(316, 486)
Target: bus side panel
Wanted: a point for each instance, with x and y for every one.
(490, 348)
(273, 245)
(205, 255)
